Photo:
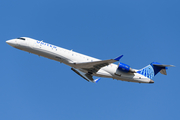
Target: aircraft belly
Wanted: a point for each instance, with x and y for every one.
(135, 78)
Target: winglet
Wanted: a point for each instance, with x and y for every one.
(118, 58)
(96, 80)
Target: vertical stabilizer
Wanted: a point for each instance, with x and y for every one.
(147, 71)
(151, 70)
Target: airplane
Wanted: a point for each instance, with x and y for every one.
(86, 66)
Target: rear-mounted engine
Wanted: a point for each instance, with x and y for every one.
(125, 68)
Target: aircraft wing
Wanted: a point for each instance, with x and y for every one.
(93, 67)
(86, 76)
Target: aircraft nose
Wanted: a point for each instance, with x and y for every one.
(11, 42)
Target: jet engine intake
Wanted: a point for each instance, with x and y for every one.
(125, 68)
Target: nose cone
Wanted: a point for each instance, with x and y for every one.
(11, 43)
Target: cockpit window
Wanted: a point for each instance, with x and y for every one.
(21, 38)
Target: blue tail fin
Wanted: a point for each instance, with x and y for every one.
(151, 70)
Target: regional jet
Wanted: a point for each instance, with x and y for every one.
(86, 66)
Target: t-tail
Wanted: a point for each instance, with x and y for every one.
(151, 70)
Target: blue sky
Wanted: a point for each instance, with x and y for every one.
(36, 88)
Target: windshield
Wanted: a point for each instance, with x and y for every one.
(21, 38)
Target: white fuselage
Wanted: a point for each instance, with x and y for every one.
(70, 57)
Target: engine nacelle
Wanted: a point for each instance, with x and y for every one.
(125, 68)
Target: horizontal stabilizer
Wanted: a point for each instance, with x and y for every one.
(163, 65)
(163, 68)
(163, 71)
